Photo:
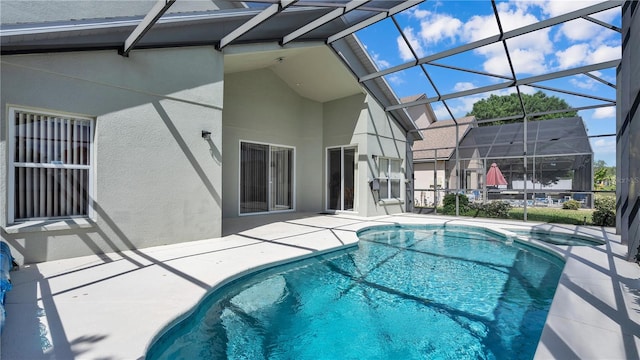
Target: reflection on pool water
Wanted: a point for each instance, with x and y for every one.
(410, 292)
(557, 238)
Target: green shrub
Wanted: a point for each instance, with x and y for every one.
(571, 205)
(605, 214)
(493, 209)
(449, 204)
(497, 209)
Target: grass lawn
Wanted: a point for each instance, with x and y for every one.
(553, 215)
(541, 214)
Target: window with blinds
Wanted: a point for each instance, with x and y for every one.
(390, 175)
(266, 178)
(49, 165)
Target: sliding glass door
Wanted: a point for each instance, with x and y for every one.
(341, 177)
(281, 179)
(266, 178)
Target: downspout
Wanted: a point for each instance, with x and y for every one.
(409, 174)
(435, 182)
(524, 156)
(457, 170)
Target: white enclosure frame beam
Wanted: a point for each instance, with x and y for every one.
(496, 38)
(263, 16)
(333, 14)
(160, 7)
(526, 81)
(374, 19)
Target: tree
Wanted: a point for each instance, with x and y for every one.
(603, 176)
(509, 105)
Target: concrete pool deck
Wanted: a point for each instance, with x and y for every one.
(111, 306)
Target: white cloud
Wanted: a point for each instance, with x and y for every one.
(572, 56)
(522, 5)
(585, 54)
(516, 18)
(581, 30)
(604, 149)
(396, 79)
(605, 53)
(554, 7)
(604, 146)
(403, 49)
(405, 52)
(480, 27)
(497, 64)
(528, 51)
(528, 61)
(531, 54)
(438, 27)
(380, 63)
(418, 13)
(607, 15)
(604, 112)
(588, 84)
(462, 86)
(440, 111)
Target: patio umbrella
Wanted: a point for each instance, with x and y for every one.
(495, 177)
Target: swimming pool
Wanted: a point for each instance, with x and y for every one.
(410, 292)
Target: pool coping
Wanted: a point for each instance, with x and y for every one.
(76, 308)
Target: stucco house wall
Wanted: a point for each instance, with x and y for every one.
(260, 107)
(156, 180)
(360, 120)
(425, 190)
(384, 138)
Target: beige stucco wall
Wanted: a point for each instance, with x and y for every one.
(156, 180)
(424, 183)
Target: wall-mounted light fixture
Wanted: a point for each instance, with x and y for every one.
(206, 135)
(374, 157)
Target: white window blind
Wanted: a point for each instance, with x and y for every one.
(50, 165)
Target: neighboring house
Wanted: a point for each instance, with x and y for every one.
(559, 155)
(430, 157)
(104, 153)
(559, 161)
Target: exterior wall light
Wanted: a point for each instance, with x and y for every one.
(206, 135)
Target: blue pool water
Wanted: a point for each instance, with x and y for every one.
(411, 292)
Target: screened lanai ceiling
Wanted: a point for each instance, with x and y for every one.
(454, 52)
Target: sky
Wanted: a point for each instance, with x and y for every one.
(434, 26)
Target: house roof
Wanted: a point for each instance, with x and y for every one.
(102, 25)
(441, 136)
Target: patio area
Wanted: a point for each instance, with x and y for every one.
(111, 306)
